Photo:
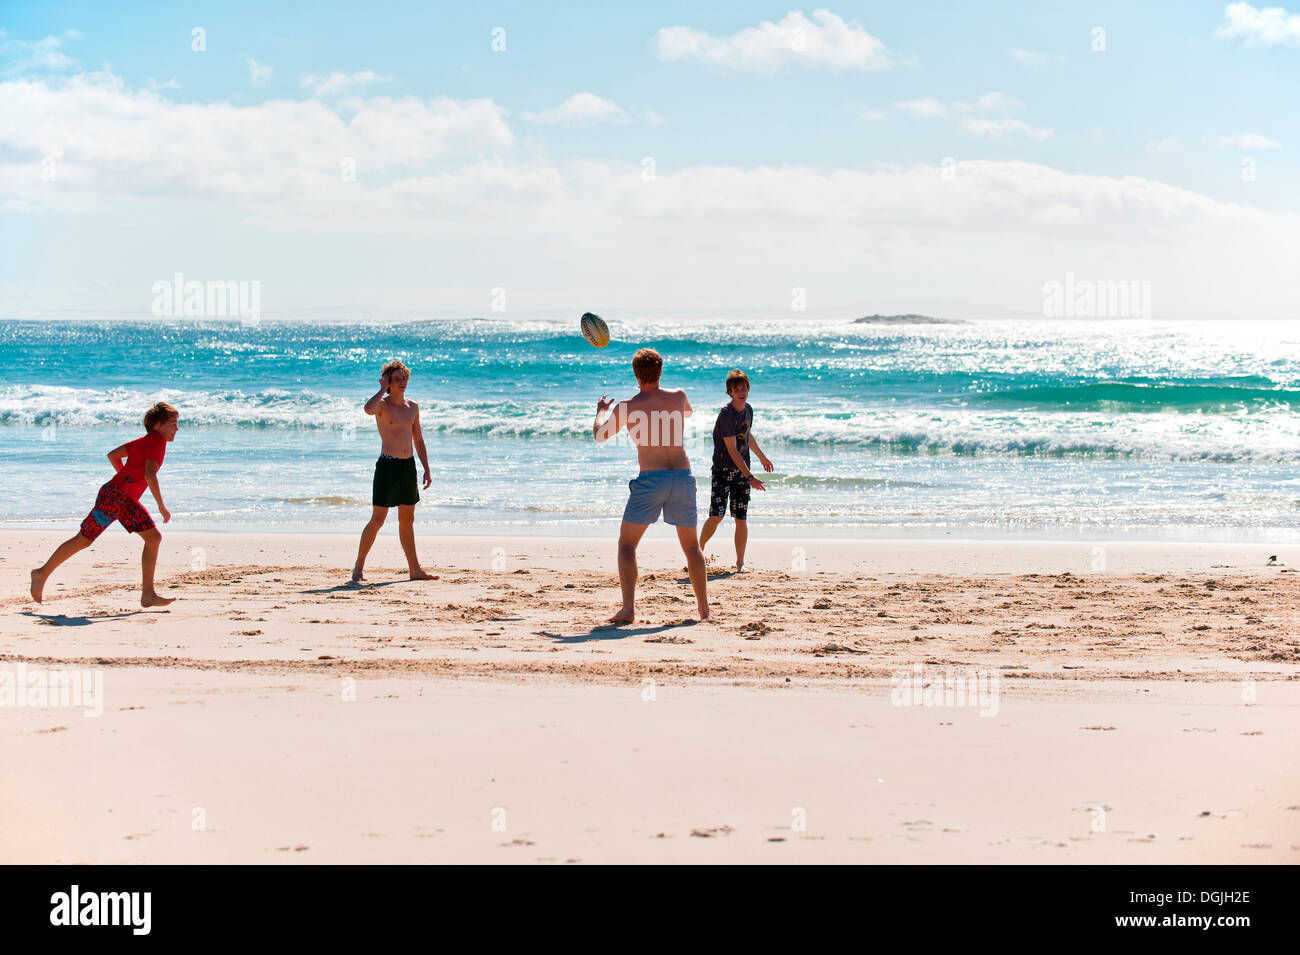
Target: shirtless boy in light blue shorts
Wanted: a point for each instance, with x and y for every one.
(655, 421)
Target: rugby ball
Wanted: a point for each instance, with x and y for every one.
(595, 330)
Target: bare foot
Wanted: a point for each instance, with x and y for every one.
(624, 615)
(704, 613)
(740, 569)
(153, 600)
(419, 574)
(38, 585)
(358, 575)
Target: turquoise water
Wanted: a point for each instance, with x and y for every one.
(1020, 428)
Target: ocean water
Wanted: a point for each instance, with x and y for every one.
(1075, 427)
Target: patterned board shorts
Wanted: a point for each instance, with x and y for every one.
(114, 504)
(731, 484)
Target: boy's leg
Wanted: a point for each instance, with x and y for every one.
(107, 508)
(368, 534)
(680, 511)
(73, 545)
(136, 519)
(695, 567)
(148, 561)
(710, 526)
(718, 486)
(406, 533)
(740, 511)
(629, 536)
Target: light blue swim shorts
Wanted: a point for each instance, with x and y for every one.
(670, 491)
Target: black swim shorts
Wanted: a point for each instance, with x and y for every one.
(395, 482)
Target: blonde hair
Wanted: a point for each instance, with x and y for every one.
(396, 365)
(647, 365)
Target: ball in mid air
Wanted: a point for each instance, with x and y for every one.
(595, 330)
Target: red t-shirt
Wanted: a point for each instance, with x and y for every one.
(151, 447)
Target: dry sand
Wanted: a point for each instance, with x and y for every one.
(1146, 705)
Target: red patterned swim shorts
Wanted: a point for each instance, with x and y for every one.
(114, 504)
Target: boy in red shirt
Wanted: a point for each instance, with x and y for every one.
(136, 463)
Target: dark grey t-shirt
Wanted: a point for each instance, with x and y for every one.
(731, 424)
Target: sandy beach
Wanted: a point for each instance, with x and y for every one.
(1137, 704)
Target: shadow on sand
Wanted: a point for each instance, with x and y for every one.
(711, 575)
(354, 586)
(611, 631)
(60, 620)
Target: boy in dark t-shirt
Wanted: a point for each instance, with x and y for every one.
(136, 463)
(732, 478)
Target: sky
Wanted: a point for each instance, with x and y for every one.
(665, 159)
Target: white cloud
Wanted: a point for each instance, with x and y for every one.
(977, 119)
(46, 55)
(438, 178)
(170, 84)
(651, 118)
(925, 106)
(119, 145)
(580, 109)
(825, 40)
(259, 74)
(123, 144)
(1249, 141)
(1001, 126)
(993, 102)
(871, 115)
(324, 85)
(1272, 26)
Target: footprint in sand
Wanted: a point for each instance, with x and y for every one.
(710, 833)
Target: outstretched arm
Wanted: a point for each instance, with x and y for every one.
(420, 449)
(604, 427)
(741, 466)
(767, 465)
(151, 478)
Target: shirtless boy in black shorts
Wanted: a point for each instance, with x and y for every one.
(395, 485)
